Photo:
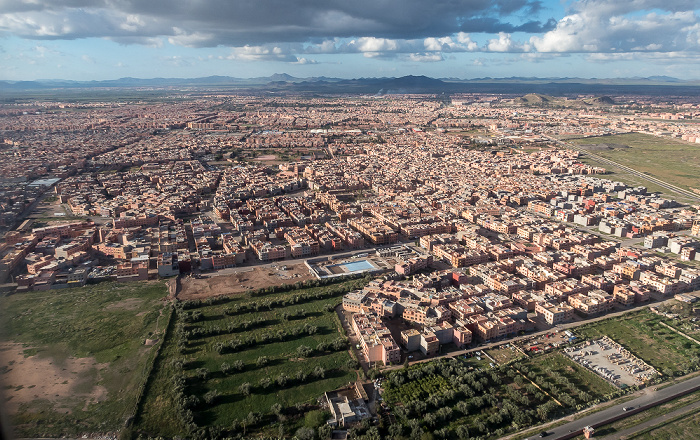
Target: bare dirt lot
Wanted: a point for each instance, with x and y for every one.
(31, 378)
(226, 283)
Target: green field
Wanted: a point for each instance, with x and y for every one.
(259, 338)
(453, 401)
(673, 161)
(640, 332)
(87, 345)
(685, 426)
(619, 175)
(685, 314)
(556, 366)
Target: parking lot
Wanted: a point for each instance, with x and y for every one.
(611, 361)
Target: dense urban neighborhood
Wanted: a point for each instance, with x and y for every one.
(391, 266)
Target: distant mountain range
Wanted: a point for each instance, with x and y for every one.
(282, 82)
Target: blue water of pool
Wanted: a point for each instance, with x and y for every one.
(358, 265)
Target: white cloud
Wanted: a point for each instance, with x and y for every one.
(463, 43)
(372, 44)
(504, 43)
(262, 53)
(426, 57)
(603, 26)
(305, 61)
(193, 39)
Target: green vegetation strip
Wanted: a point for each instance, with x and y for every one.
(250, 363)
(682, 426)
(647, 415)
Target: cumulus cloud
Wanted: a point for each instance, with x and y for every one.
(461, 43)
(262, 53)
(303, 60)
(603, 26)
(425, 57)
(504, 43)
(295, 31)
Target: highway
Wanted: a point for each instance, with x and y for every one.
(649, 399)
(685, 411)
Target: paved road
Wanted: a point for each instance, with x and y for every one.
(688, 409)
(608, 415)
(560, 327)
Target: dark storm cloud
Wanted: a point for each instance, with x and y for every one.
(492, 25)
(240, 22)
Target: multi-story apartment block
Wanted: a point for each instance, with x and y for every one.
(554, 314)
(375, 339)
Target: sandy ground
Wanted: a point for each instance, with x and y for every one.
(247, 279)
(26, 379)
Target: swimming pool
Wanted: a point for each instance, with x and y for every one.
(358, 265)
(353, 266)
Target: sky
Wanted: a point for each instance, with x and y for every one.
(110, 39)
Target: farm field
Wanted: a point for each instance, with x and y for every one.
(244, 363)
(641, 333)
(556, 366)
(686, 321)
(452, 401)
(674, 161)
(619, 175)
(74, 359)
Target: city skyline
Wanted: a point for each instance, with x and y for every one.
(87, 40)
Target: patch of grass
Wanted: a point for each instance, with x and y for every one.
(674, 161)
(503, 355)
(640, 332)
(84, 322)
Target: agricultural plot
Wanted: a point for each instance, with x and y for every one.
(683, 317)
(505, 353)
(642, 334)
(244, 363)
(74, 360)
(670, 160)
(571, 377)
(451, 401)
